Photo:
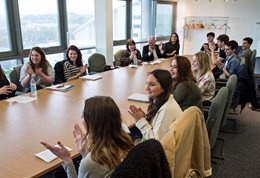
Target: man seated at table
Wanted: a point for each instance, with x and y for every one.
(153, 51)
(245, 50)
(231, 62)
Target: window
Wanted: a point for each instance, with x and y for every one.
(143, 19)
(7, 66)
(119, 20)
(81, 23)
(4, 29)
(164, 20)
(39, 23)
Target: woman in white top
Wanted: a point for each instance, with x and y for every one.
(162, 111)
(204, 76)
(37, 67)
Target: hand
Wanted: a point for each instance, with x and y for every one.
(173, 52)
(38, 71)
(137, 113)
(212, 46)
(83, 69)
(30, 70)
(79, 139)
(5, 90)
(219, 63)
(60, 152)
(13, 86)
(132, 55)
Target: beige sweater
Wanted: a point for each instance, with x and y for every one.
(186, 145)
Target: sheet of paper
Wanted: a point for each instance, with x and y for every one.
(132, 66)
(47, 155)
(91, 77)
(21, 99)
(139, 97)
(153, 62)
(125, 128)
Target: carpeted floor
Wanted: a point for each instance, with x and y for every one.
(242, 150)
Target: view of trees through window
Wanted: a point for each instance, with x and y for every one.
(4, 35)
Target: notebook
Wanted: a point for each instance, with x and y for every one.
(60, 87)
(139, 97)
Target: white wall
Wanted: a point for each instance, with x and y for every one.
(242, 14)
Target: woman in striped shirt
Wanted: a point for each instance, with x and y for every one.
(74, 68)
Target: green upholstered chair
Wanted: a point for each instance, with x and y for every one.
(117, 57)
(231, 86)
(97, 63)
(215, 115)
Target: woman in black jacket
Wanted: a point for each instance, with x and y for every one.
(7, 89)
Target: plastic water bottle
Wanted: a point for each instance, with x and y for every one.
(135, 60)
(33, 86)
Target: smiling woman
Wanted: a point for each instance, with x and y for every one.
(162, 110)
(73, 67)
(40, 67)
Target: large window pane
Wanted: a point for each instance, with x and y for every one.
(4, 34)
(163, 20)
(119, 20)
(39, 23)
(143, 19)
(81, 23)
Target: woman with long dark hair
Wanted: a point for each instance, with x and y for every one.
(162, 110)
(74, 68)
(104, 144)
(185, 90)
(37, 67)
(172, 47)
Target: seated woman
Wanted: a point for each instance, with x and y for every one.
(162, 111)
(74, 68)
(204, 76)
(37, 67)
(104, 144)
(185, 90)
(172, 47)
(7, 89)
(131, 51)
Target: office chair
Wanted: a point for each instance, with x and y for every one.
(146, 160)
(97, 63)
(15, 78)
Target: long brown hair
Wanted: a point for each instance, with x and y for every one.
(185, 74)
(43, 63)
(165, 80)
(106, 140)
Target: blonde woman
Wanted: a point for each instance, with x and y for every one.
(204, 76)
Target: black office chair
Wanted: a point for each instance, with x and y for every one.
(59, 72)
(15, 78)
(146, 160)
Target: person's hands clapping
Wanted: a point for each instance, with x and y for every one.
(137, 113)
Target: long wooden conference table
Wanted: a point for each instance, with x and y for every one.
(52, 116)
